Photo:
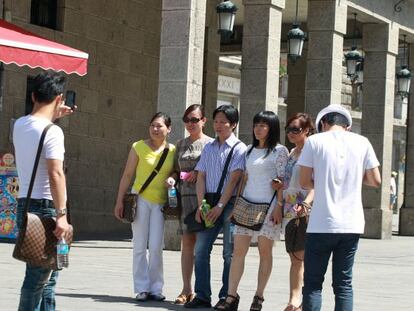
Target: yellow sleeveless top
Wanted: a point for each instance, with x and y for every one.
(148, 159)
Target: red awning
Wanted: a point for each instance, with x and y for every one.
(24, 48)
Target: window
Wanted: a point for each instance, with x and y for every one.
(29, 89)
(43, 13)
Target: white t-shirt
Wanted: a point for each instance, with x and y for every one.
(393, 186)
(261, 170)
(339, 160)
(26, 136)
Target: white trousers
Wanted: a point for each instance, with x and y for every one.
(148, 230)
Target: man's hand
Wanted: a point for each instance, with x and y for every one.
(62, 227)
(64, 111)
(119, 210)
(214, 213)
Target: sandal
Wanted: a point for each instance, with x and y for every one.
(232, 305)
(183, 298)
(257, 303)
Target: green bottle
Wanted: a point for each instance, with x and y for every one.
(205, 208)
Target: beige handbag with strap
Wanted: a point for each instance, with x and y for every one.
(250, 215)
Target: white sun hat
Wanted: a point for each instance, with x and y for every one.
(334, 108)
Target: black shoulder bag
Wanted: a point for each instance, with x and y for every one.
(212, 198)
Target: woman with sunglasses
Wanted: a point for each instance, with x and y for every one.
(188, 151)
(296, 204)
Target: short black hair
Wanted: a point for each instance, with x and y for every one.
(334, 118)
(47, 86)
(231, 113)
(273, 137)
(164, 116)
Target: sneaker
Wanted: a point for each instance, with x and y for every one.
(156, 297)
(197, 303)
(141, 296)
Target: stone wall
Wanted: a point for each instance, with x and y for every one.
(116, 99)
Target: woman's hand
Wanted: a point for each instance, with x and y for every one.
(276, 216)
(302, 209)
(198, 215)
(276, 185)
(191, 177)
(119, 210)
(169, 182)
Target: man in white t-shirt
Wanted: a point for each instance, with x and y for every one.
(48, 196)
(335, 163)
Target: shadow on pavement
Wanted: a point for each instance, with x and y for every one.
(167, 304)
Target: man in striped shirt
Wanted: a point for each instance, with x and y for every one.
(210, 169)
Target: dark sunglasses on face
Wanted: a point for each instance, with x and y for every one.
(293, 130)
(192, 120)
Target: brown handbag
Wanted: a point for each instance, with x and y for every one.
(130, 199)
(36, 243)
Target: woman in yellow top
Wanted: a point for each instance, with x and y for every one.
(148, 226)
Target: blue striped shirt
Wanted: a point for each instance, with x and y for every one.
(213, 158)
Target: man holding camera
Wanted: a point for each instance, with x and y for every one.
(48, 196)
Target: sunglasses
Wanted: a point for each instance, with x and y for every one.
(192, 120)
(293, 130)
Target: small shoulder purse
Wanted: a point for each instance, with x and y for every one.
(130, 199)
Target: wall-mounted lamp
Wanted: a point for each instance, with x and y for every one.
(404, 75)
(226, 11)
(353, 58)
(295, 38)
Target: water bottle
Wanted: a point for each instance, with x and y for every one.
(62, 250)
(172, 196)
(205, 208)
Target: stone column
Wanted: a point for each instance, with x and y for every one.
(180, 73)
(407, 210)
(326, 28)
(260, 60)
(211, 64)
(181, 59)
(380, 43)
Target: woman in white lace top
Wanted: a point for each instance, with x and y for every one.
(265, 160)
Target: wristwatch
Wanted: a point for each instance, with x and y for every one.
(220, 205)
(61, 212)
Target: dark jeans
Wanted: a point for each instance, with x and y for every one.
(38, 290)
(203, 248)
(318, 249)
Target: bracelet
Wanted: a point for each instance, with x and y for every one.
(61, 212)
(306, 205)
(279, 203)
